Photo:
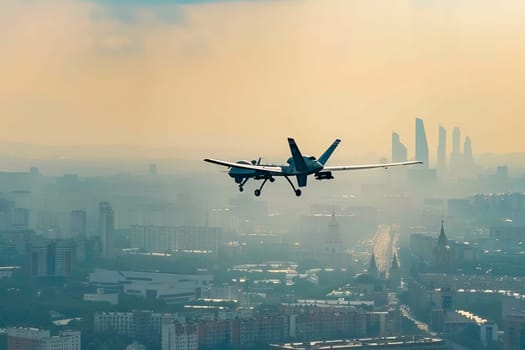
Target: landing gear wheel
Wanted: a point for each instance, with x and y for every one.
(272, 179)
(241, 188)
(298, 192)
(257, 193)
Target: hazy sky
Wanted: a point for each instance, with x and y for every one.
(225, 76)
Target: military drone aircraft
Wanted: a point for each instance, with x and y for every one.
(297, 165)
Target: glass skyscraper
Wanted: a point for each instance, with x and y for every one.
(421, 143)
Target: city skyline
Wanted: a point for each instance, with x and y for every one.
(137, 136)
(162, 75)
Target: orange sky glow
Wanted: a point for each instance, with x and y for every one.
(242, 76)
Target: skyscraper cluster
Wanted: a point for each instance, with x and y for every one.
(461, 161)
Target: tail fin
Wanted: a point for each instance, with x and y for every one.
(296, 155)
(326, 155)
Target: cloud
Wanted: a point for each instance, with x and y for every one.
(124, 39)
(131, 12)
(120, 25)
(166, 2)
(165, 10)
(118, 44)
(107, 11)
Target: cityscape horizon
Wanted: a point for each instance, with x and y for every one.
(137, 137)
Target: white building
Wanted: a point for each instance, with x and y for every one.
(136, 324)
(117, 322)
(66, 340)
(223, 293)
(33, 338)
(181, 239)
(173, 288)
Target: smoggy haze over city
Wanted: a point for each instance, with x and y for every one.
(205, 77)
(262, 174)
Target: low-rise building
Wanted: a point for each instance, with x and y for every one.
(179, 336)
(157, 239)
(139, 324)
(19, 338)
(102, 296)
(172, 288)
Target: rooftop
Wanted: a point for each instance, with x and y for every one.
(367, 343)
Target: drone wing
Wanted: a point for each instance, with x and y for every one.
(369, 166)
(261, 168)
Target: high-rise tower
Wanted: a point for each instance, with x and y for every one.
(456, 160)
(442, 151)
(333, 243)
(106, 225)
(467, 151)
(421, 143)
(153, 169)
(78, 223)
(456, 137)
(372, 266)
(468, 159)
(399, 151)
(333, 251)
